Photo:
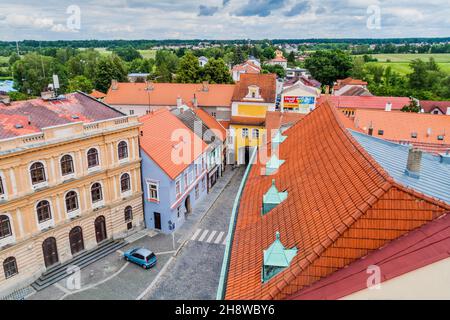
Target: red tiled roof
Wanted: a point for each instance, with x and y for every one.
(160, 141)
(225, 124)
(247, 120)
(398, 126)
(97, 94)
(247, 67)
(276, 119)
(428, 105)
(267, 84)
(166, 94)
(357, 102)
(417, 249)
(76, 107)
(211, 123)
(278, 59)
(349, 81)
(341, 205)
(356, 91)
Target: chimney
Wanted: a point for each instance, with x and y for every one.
(148, 85)
(195, 101)
(47, 95)
(29, 119)
(179, 102)
(205, 86)
(388, 107)
(5, 100)
(448, 111)
(370, 131)
(428, 132)
(114, 85)
(414, 163)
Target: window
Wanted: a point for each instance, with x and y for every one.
(92, 158)
(125, 184)
(186, 181)
(440, 138)
(380, 132)
(178, 188)
(123, 150)
(128, 214)
(245, 133)
(203, 184)
(2, 191)
(414, 135)
(5, 227)
(71, 201)
(96, 192)
(191, 175)
(178, 211)
(255, 134)
(131, 112)
(10, 267)
(37, 173)
(153, 191)
(197, 192)
(214, 114)
(43, 211)
(67, 165)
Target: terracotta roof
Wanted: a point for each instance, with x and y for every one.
(276, 119)
(267, 84)
(159, 144)
(419, 248)
(341, 205)
(278, 59)
(247, 67)
(428, 105)
(225, 124)
(97, 94)
(356, 91)
(212, 123)
(399, 126)
(357, 102)
(349, 81)
(166, 94)
(247, 120)
(76, 107)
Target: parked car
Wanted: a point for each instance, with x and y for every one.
(142, 257)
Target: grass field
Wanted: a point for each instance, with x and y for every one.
(145, 53)
(400, 62)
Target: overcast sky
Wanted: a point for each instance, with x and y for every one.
(222, 19)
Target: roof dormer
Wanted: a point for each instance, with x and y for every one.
(273, 165)
(276, 259)
(278, 139)
(254, 93)
(273, 198)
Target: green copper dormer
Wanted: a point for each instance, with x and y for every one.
(273, 165)
(278, 139)
(273, 198)
(276, 259)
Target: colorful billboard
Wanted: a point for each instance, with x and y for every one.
(303, 103)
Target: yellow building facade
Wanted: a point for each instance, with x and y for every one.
(65, 190)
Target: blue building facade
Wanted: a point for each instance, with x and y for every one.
(167, 202)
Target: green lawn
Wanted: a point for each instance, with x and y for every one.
(4, 59)
(400, 62)
(147, 54)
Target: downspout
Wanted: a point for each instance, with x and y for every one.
(226, 257)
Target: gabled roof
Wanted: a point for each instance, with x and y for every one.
(166, 94)
(357, 102)
(428, 105)
(267, 84)
(211, 123)
(341, 205)
(417, 249)
(97, 94)
(159, 141)
(276, 119)
(356, 91)
(349, 81)
(247, 67)
(36, 114)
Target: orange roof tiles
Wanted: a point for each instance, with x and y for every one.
(247, 67)
(341, 205)
(267, 84)
(365, 102)
(275, 119)
(247, 120)
(211, 123)
(166, 94)
(165, 136)
(97, 94)
(349, 81)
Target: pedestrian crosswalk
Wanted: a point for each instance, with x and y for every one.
(209, 236)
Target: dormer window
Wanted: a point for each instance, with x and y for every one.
(273, 198)
(278, 139)
(440, 138)
(380, 132)
(414, 135)
(276, 259)
(273, 165)
(253, 92)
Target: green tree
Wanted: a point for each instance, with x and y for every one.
(238, 56)
(329, 65)
(412, 107)
(358, 69)
(216, 71)
(189, 70)
(109, 68)
(80, 83)
(128, 53)
(84, 63)
(166, 65)
(279, 70)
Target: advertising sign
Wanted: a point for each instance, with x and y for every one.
(303, 103)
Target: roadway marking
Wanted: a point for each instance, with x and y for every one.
(219, 237)
(203, 236)
(211, 236)
(196, 234)
(150, 287)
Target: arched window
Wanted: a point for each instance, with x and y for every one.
(96, 192)
(5, 227)
(37, 172)
(92, 158)
(71, 201)
(123, 150)
(128, 214)
(125, 184)
(67, 165)
(10, 267)
(43, 211)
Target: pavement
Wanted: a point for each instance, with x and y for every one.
(189, 261)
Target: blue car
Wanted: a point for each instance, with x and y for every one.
(142, 257)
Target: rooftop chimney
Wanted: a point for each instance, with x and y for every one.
(179, 102)
(205, 86)
(448, 111)
(5, 99)
(388, 107)
(47, 95)
(414, 163)
(114, 85)
(195, 101)
(148, 85)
